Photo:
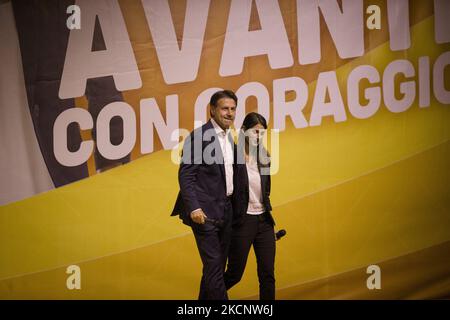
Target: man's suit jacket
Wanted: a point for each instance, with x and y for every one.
(202, 183)
(241, 192)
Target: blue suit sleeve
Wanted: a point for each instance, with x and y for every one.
(187, 174)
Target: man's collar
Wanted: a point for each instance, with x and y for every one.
(217, 128)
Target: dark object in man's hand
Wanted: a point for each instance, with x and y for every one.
(217, 223)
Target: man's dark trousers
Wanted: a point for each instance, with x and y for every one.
(213, 242)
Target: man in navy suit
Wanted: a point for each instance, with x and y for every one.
(206, 187)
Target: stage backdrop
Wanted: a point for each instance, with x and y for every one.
(96, 95)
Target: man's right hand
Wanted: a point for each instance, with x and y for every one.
(198, 216)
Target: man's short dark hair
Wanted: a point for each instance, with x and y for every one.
(222, 94)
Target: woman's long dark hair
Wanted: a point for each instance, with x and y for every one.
(251, 120)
